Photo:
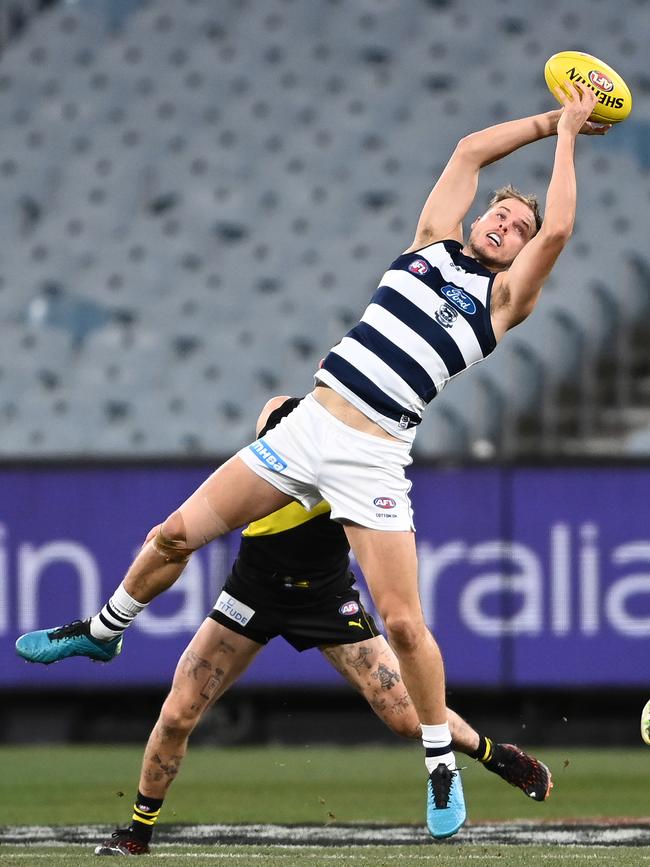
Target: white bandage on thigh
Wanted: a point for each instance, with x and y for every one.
(193, 525)
(202, 523)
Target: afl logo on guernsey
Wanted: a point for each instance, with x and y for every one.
(349, 608)
(384, 502)
(419, 266)
(600, 80)
(459, 298)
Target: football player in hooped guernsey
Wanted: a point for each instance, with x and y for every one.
(442, 306)
(291, 579)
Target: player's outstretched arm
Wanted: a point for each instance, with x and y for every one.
(521, 284)
(454, 192)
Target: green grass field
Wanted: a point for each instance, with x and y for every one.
(333, 787)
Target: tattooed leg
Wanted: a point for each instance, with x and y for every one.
(372, 668)
(213, 661)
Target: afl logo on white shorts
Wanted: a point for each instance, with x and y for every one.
(418, 266)
(349, 608)
(384, 502)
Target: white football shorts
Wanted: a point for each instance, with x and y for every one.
(312, 456)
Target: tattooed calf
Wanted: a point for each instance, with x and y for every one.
(402, 705)
(387, 678)
(166, 770)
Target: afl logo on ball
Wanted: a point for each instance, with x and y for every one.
(600, 80)
(418, 266)
(349, 608)
(385, 503)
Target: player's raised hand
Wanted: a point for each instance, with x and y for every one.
(591, 127)
(578, 103)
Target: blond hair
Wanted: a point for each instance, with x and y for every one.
(510, 192)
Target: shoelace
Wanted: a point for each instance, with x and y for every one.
(74, 628)
(441, 781)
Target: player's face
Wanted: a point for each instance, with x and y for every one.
(498, 236)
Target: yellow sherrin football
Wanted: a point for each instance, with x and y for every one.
(614, 97)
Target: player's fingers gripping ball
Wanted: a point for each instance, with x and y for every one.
(576, 95)
(613, 97)
(579, 102)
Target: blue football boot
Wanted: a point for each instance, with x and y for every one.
(445, 802)
(73, 639)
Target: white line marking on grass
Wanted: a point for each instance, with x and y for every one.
(517, 833)
(229, 856)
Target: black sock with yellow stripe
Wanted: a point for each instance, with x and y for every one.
(145, 815)
(484, 751)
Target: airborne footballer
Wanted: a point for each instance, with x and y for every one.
(442, 306)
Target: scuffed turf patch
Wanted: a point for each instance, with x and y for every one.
(519, 833)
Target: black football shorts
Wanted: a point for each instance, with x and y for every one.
(261, 606)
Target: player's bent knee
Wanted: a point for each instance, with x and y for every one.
(401, 718)
(404, 633)
(178, 719)
(170, 540)
(405, 727)
(153, 532)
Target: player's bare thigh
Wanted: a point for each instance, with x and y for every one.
(384, 556)
(232, 496)
(388, 560)
(372, 668)
(213, 660)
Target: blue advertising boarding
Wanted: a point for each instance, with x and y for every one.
(528, 576)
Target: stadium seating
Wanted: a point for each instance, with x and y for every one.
(200, 198)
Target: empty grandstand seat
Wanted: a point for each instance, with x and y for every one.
(193, 175)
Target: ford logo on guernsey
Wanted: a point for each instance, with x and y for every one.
(385, 503)
(266, 454)
(459, 298)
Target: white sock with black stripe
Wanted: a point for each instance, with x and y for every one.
(116, 615)
(437, 746)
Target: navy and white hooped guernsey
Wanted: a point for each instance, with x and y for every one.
(427, 322)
